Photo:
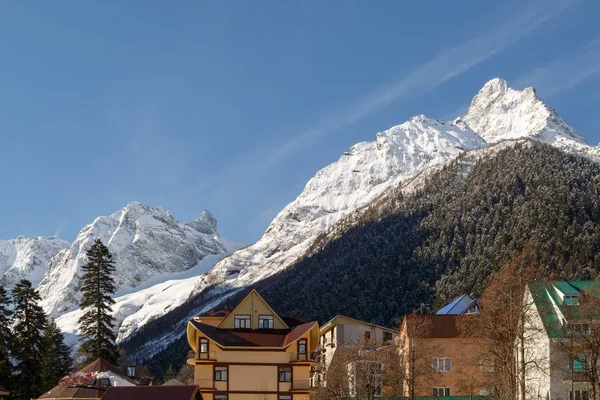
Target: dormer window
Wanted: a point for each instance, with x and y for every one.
(571, 300)
(242, 322)
(265, 322)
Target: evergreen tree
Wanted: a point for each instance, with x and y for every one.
(170, 374)
(5, 339)
(29, 323)
(56, 357)
(97, 323)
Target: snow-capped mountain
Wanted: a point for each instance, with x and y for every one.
(497, 115)
(24, 258)
(145, 242)
(499, 112)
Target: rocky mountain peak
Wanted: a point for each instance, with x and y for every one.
(499, 112)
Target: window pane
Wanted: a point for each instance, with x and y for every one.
(447, 392)
(577, 395)
(435, 392)
(447, 365)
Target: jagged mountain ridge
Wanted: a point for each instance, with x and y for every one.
(145, 242)
(370, 169)
(24, 258)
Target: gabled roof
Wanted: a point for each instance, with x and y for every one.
(552, 308)
(253, 337)
(339, 318)
(102, 365)
(178, 392)
(253, 292)
(173, 382)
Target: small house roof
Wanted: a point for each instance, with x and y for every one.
(174, 392)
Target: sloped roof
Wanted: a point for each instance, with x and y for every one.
(102, 365)
(459, 305)
(3, 391)
(333, 321)
(253, 337)
(549, 304)
(73, 392)
(173, 382)
(176, 392)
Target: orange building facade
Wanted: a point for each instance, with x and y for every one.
(253, 353)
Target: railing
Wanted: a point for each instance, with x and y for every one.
(304, 384)
(192, 355)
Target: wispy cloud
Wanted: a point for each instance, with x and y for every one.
(448, 64)
(565, 73)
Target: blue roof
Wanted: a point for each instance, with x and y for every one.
(460, 305)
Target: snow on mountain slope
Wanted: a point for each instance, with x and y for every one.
(398, 158)
(499, 112)
(360, 175)
(144, 241)
(24, 258)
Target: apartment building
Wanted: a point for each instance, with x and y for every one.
(561, 333)
(252, 353)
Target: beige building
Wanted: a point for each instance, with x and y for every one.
(252, 353)
(343, 332)
(438, 361)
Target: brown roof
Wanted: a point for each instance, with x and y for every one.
(73, 392)
(434, 325)
(253, 338)
(3, 392)
(185, 392)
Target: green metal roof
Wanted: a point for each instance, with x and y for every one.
(547, 301)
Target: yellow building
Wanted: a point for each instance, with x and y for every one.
(252, 353)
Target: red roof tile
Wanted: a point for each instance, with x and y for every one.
(185, 392)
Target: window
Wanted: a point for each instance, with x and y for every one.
(578, 395)
(582, 329)
(131, 371)
(441, 391)
(242, 322)
(571, 300)
(441, 364)
(220, 397)
(285, 374)
(367, 335)
(220, 374)
(487, 365)
(285, 397)
(265, 322)
(105, 382)
(578, 363)
(204, 345)
(387, 336)
(302, 346)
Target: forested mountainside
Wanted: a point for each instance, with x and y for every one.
(436, 242)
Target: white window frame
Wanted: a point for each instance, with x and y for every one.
(221, 372)
(444, 362)
(444, 390)
(580, 392)
(262, 319)
(245, 318)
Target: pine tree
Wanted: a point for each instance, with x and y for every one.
(56, 357)
(170, 374)
(97, 323)
(29, 323)
(5, 339)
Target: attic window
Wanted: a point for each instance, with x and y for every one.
(265, 322)
(131, 371)
(242, 322)
(571, 300)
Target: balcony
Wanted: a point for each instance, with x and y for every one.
(302, 386)
(201, 358)
(301, 358)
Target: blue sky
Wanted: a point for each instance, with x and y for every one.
(233, 105)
